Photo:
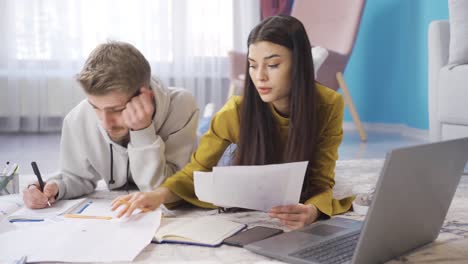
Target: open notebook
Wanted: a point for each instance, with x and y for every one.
(15, 211)
(203, 231)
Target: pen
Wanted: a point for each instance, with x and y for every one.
(39, 178)
(87, 216)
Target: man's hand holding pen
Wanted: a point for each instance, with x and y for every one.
(35, 199)
(40, 195)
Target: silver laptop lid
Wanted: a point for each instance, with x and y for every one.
(414, 192)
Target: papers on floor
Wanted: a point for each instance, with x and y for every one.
(203, 231)
(81, 240)
(9, 204)
(59, 208)
(252, 187)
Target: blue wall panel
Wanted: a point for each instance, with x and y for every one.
(387, 72)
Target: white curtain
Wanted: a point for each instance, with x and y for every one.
(43, 45)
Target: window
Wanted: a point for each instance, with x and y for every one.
(69, 30)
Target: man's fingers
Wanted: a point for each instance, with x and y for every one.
(131, 112)
(126, 117)
(35, 194)
(33, 198)
(35, 205)
(143, 106)
(50, 190)
(146, 102)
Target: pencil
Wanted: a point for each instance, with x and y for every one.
(128, 204)
(87, 216)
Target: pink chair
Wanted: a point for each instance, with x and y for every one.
(333, 24)
(237, 69)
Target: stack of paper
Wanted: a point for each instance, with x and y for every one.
(80, 240)
(252, 187)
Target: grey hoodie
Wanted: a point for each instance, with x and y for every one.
(153, 154)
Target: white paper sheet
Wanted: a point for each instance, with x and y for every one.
(10, 204)
(203, 182)
(252, 187)
(81, 240)
(58, 208)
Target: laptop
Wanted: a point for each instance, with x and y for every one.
(413, 194)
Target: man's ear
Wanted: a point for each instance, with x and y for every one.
(137, 93)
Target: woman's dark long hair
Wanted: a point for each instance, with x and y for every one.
(259, 133)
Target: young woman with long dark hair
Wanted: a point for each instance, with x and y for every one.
(283, 116)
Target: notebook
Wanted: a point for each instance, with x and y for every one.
(206, 231)
(15, 211)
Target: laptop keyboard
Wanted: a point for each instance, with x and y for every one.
(336, 250)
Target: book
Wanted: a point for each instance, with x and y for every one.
(206, 231)
(13, 209)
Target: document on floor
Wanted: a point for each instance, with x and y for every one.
(81, 240)
(252, 187)
(59, 208)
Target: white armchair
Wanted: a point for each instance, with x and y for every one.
(448, 87)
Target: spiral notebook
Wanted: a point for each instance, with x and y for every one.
(205, 231)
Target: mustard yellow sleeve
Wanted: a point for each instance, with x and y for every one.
(323, 168)
(224, 129)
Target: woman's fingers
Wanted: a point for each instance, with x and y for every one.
(295, 216)
(289, 217)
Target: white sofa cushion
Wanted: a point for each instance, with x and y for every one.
(453, 95)
(458, 17)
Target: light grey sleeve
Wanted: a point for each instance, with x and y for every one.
(76, 176)
(152, 159)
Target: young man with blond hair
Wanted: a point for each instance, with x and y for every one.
(130, 130)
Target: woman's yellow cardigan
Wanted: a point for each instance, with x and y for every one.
(224, 130)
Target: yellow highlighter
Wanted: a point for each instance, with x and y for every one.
(87, 216)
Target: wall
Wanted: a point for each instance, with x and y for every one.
(387, 72)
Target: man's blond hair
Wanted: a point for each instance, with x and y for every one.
(115, 66)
